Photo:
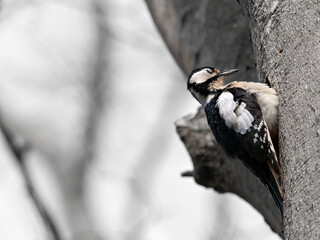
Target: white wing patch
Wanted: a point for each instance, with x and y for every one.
(236, 116)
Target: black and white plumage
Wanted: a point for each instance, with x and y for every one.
(243, 119)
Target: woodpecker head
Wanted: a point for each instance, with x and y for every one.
(206, 80)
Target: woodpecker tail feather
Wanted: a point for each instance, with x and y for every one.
(274, 188)
(268, 178)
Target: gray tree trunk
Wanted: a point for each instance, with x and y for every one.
(285, 38)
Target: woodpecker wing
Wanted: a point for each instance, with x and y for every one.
(256, 141)
(241, 114)
(236, 121)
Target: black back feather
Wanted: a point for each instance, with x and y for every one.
(254, 154)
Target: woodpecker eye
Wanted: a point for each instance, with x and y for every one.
(209, 71)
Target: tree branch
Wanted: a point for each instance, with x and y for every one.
(17, 151)
(17, 208)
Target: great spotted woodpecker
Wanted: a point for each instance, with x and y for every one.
(243, 119)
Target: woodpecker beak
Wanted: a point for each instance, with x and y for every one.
(227, 73)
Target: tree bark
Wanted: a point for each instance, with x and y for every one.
(286, 38)
(197, 34)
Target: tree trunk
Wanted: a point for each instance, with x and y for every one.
(286, 39)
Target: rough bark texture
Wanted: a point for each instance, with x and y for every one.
(197, 34)
(286, 38)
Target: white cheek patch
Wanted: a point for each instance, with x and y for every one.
(200, 77)
(236, 117)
